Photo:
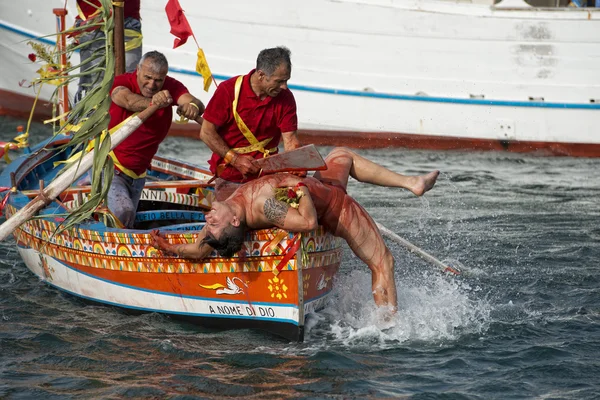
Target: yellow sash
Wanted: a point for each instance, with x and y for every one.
(90, 146)
(126, 171)
(255, 145)
(82, 15)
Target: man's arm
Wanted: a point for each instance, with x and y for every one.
(290, 140)
(210, 136)
(190, 107)
(197, 250)
(302, 219)
(128, 100)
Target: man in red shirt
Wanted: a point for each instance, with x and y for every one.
(133, 92)
(247, 117)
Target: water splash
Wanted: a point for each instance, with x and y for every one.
(431, 308)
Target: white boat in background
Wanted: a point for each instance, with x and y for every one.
(376, 73)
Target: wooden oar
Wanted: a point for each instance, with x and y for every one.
(61, 183)
(418, 251)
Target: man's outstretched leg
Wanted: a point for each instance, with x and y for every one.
(342, 162)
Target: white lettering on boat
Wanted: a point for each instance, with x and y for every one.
(243, 311)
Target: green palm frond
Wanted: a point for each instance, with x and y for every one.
(92, 110)
(91, 113)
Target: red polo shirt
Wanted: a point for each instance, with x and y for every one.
(131, 8)
(265, 118)
(136, 152)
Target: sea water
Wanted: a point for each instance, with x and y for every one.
(522, 321)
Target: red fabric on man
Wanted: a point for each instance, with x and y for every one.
(266, 118)
(136, 152)
(131, 8)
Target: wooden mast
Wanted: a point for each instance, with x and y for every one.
(119, 37)
(61, 43)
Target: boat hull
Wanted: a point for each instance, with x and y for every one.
(272, 283)
(130, 290)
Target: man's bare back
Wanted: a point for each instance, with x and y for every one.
(264, 211)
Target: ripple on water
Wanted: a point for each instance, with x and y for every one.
(524, 322)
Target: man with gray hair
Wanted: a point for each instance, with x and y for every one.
(247, 117)
(133, 92)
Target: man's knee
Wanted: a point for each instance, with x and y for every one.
(120, 200)
(341, 151)
(126, 215)
(122, 208)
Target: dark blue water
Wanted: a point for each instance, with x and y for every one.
(523, 322)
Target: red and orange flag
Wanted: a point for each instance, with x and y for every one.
(181, 29)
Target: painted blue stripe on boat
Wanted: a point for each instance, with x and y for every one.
(44, 40)
(162, 293)
(389, 96)
(451, 100)
(253, 318)
(434, 99)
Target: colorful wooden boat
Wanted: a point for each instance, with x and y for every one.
(272, 284)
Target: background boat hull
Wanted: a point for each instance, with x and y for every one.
(422, 69)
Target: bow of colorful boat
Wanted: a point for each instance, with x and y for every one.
(271, 284)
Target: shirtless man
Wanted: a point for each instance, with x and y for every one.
(324, 201)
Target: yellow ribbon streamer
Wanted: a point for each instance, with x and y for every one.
(203, 69)
(61, 116)
(21, 141)
(133, 39)
(281, 234)
(49, 71)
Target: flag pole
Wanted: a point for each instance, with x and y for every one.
(119, 38)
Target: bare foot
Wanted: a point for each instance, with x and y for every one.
(424, 183)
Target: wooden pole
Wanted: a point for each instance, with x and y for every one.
(416, 250)
(65, 180)
(61, 42)
(119, 39)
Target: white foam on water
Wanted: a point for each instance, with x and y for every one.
(431, 308)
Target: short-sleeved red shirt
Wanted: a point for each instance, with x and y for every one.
(265, 118)
(131, 8)
(136, 152)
